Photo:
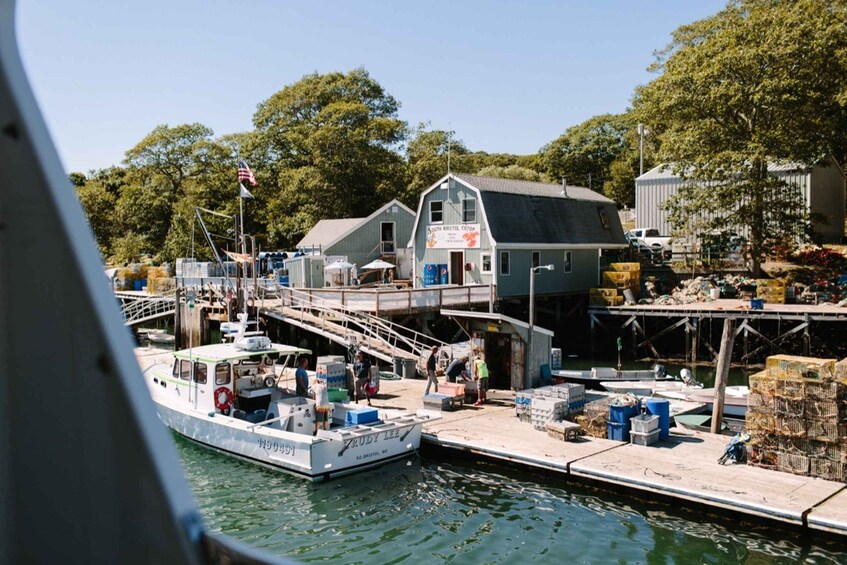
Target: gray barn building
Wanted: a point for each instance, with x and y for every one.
(382, 235)
(485, 230)
(823, 188)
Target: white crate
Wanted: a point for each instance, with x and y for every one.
(639, 438)
(645, 424)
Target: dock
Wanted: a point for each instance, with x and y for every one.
(683, 468)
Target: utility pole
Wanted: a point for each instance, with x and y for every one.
(642, 131)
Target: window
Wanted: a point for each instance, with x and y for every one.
(222, 374)
(436, 212)
(567, 261)
(183, 370)
(504, 263)
(469, 210)
(486, 263)
(200, 373)
(536, 258)
(604, 219)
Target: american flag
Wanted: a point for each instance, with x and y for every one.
(244, 173)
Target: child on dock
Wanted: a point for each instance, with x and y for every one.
(480, 374)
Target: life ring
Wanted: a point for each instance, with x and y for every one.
(223, 398)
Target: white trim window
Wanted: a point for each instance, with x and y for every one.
(504, 263)
(436, 211)
(469, 210)
(568, 262)
(485, 260)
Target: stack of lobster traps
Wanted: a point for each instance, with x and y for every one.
(797, 417)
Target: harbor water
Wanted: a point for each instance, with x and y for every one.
(434, 511)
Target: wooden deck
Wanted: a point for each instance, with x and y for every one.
(730, 308)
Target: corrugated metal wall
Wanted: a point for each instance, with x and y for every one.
(828, 200)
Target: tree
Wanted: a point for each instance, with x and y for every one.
(584, 153)
(98, 195)
(514, 172)
(762, 81)
(426, 155)
(330, 142)
(626, 167)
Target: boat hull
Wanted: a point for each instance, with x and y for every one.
(330, 454)
(735, 400)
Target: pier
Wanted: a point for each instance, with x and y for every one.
(776, 328)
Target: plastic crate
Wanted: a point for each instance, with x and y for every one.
(337, 394)
(644, 424)
(644, 438)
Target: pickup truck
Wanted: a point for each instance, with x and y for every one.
(648, 242)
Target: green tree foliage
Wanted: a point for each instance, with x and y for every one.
(128, 248)
(426, 155)
(77, 179)
(761, 81)
(620, 184)
(98, 195)
(584, 153)
(331, 146)
(514, 172)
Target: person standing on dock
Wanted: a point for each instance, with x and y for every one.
(301, 378)
(321, 406)
(432, 379)
(362, 372)
(480, 375)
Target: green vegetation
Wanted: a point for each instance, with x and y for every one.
(761, 81)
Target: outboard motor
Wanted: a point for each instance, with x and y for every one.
(688, 379)
(659, 371)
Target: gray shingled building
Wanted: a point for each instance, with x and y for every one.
(484, 230)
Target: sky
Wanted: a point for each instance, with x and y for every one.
(506, 76)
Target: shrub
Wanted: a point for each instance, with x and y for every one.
(823, 258)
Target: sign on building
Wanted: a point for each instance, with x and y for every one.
(456, 236)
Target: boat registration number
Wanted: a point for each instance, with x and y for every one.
(277, 446)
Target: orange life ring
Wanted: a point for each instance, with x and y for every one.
(223, 398)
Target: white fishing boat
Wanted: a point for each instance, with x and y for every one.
(648, 388)
(227, 397)
(162, 337)
(734, 404)
(595, 376)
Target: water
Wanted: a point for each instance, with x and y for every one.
(429, 511)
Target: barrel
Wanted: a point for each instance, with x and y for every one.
(622, 414)
(662, 409)
(617, 431)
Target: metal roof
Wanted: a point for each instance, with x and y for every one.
(327, 231)
(495, 317)
(530, 188)
(664, 171)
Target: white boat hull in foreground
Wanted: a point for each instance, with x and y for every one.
(650, 388)
(227, 399)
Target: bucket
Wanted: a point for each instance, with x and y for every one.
(618, 431)
(628, 296)
(715, 293)
(757, 303)
(622, 414)
(662, 409)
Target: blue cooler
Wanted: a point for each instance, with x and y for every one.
(362, 416)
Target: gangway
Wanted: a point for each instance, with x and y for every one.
(140, 309)
(352, 328)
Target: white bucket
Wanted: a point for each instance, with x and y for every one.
(715, 293)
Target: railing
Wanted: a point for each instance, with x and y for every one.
(381, 300)
(393, 337)
(147, 308)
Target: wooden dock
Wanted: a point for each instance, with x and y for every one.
(683, 468)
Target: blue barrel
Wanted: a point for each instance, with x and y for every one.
(618, 431)
(443, 274)
(283, 280)
(137, 284)
(622, 414)
(662, 409)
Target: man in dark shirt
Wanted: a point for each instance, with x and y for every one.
(457, 368)
(430, 369)
(362, 374)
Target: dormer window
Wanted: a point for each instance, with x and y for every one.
(469, 210)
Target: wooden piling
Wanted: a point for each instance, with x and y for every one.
(722, 373)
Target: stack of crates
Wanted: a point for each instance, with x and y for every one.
(572, 394)
(543, 410)
(623, 276)
(797, 417)
(333, 374)
(771, 290)
(604, 297)
(555, 358)
(523, 405)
